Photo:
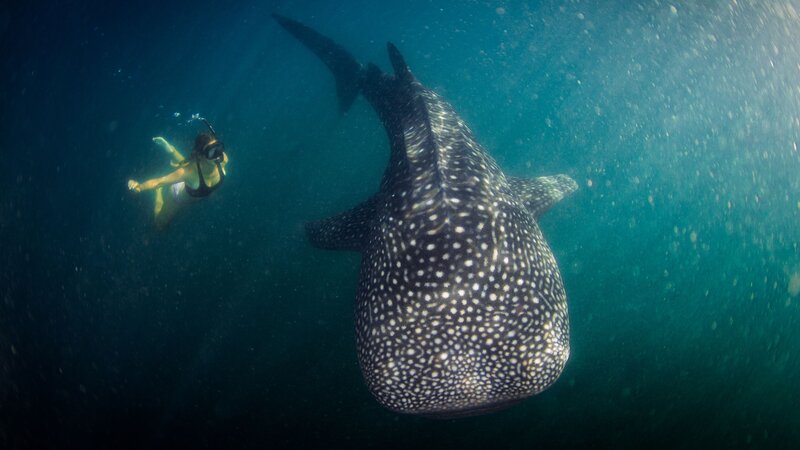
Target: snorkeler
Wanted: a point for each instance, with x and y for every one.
(195, 177)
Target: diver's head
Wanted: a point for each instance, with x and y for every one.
(207, 146)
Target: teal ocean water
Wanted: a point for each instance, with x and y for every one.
(679, 120)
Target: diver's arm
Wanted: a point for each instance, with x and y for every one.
(169, 148)
(174, 177)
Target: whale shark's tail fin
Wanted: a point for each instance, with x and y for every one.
(347, 71)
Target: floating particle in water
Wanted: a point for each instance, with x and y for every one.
(693, 237)
(176, 114)
(673, 10)
(500, 10)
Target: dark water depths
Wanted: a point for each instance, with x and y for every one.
(679, 253)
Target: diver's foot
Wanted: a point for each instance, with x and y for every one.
(162, 142)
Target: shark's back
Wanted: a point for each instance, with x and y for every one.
(460, 307)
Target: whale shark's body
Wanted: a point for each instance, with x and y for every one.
(460, 307)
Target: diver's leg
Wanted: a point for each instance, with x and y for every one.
(170, 208)
(159, 201)
(177, 158)
(173, 152)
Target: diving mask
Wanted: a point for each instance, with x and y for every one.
(214, 150)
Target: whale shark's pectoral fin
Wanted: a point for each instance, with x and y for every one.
(539, 194)
(345, 231)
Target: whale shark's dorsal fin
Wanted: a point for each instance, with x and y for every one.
(347, 71)
(398, 62)
(539, 194)
(348, 230)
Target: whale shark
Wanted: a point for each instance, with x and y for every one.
(460, 308)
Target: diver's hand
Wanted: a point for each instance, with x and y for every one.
(133, 185)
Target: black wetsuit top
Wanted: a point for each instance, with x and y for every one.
(204, 190)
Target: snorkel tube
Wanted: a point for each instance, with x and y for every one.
(210, 128)
(197, 116)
